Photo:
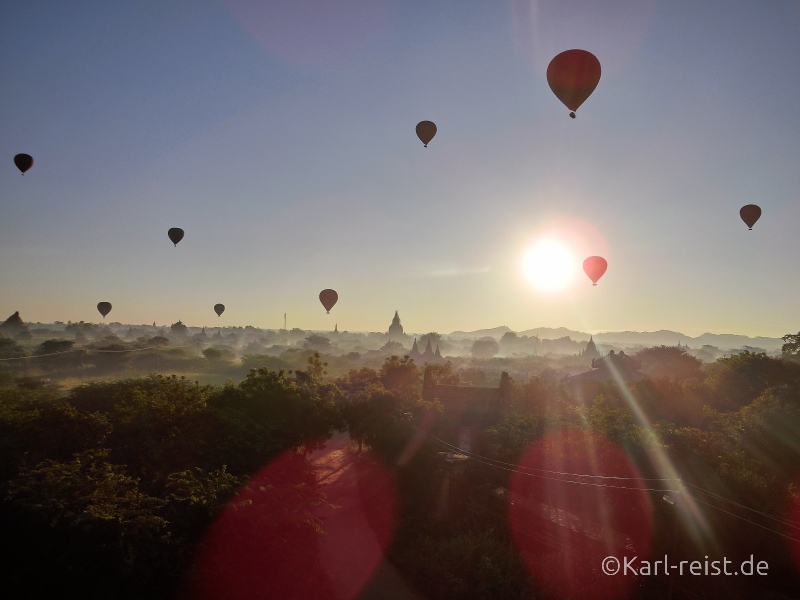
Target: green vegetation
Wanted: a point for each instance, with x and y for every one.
(109, 488)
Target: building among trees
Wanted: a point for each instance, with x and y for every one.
(396, 329)
(591, 350)
(617, 368)
(14, 324)
(429, 356)
(469, 404)
(179, 329)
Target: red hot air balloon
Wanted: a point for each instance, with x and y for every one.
(425, 131)
(573, 75)
(750, 214)
(594, 267)
(104, 308)
(328, 299)
(219, 309)
(23, 162)
(175, 235)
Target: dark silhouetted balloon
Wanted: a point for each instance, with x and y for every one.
(594, 267)
(425, 131)
(219, 309)
(175, 235)
(104, 308)
(23, 162)
(750, 214)
(328, 299)
(573, 75)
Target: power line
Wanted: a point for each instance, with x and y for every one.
(518, 467)
(89, 351)
(479, 458)
(589, 483)
(742, 518)
(763, 514)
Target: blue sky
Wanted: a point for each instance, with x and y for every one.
(280, 137)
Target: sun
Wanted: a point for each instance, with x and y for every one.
(549, 265)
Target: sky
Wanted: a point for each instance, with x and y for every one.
(280, 135)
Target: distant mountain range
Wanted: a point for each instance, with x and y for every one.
(723, 341)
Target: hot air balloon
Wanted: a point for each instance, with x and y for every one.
(328, 299)
(175, 235)
(23, 162)
(573, 75)
(594, 267)
(104, 308)
(425, 131)
(750, 214)
(219, 309)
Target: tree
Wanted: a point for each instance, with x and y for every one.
(54, 346)
(297, 412)
(442, 373)
(317, 342)
(670, 361)
(10, 348)
(56, 354)
(88, 526)
(316, 368)
(485, 348)
(515, 432)
(432, 337)
(392, 347)
(378, 417)
(509, 337)
(738, 380)
(791, 349)
(357, 380)
(212, 354)
(401, 375)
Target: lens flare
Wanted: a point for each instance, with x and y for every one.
(564, 525)
(299, 530)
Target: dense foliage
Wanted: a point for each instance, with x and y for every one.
(115, 488)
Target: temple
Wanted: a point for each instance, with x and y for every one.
(591, 350)
(429, 356)
(617, 368)
(469, 404)
(396, 329)
(14, 324)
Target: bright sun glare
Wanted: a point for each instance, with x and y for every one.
(549, 265)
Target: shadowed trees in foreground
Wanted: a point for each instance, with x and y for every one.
(112, 489)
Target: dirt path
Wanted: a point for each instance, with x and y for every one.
(353, 547)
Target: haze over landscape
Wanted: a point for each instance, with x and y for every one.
(348, 300)
(290, 160)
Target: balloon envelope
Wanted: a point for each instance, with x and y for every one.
(425, 131)
(23, 162)
(328, 299)
(573, 75)
(219, 309)
(104, 308)
(750, 214)
(594, 267)
(175, 235)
